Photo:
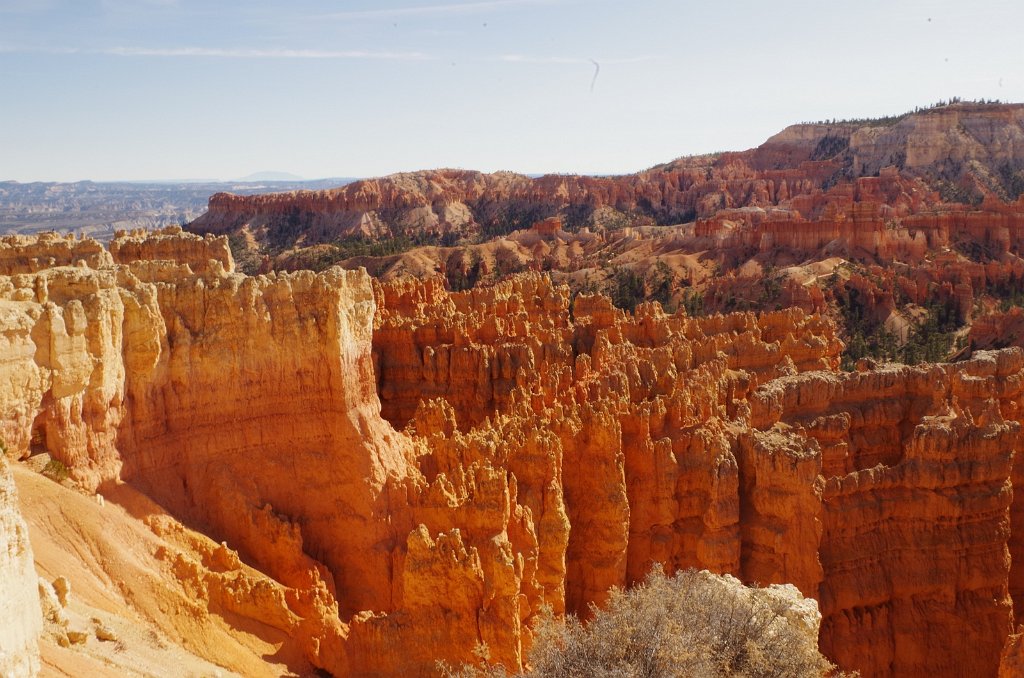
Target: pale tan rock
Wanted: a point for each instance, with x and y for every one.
(30, 254)
(53, 609)
(19, 587)
(200, 255)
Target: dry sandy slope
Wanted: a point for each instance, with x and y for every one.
(108, 553)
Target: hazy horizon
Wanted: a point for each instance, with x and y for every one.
(142, 90)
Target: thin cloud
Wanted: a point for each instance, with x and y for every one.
(452, 8)
(221, 53)
(262, 53)
(527, 59)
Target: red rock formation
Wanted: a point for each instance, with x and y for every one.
(791, 169)
(1012, 663)
(795, 498)
(440, 201)
(998, 330)
(936, 437)
(550, 448)
(548, 227)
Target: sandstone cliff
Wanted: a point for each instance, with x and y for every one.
(29, 254)
(400, 473)
(169, 244)
(19, 598)
(937, 438)
(699, 450)
(832, 218)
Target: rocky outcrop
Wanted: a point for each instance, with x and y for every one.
(999, 330)
(1012, 663)
(879, 222)
(170, 244)
(19, 599)
(963, 149)
(959, 141)
(29, 254)
(869, 231)
(64, 363)
(937, 438)
(457, 201)
(974, 138)
(265, 372)
(734, 466)
(125, 376)
(419, 471)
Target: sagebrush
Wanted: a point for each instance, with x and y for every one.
(691, 624)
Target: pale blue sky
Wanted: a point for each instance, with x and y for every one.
(149, 89)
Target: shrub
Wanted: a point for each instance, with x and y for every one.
(56, 471)
(692, 624)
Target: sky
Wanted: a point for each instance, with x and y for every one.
(175, 89)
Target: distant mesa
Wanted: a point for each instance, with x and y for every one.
(963, 154)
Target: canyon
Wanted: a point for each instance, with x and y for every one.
(365, 430)
(374, 476)
(885, 224)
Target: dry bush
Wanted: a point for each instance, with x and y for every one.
(692, 624)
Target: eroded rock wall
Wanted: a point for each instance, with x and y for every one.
(248, 407)
(63, 364)
(915, 510)
(19, 596)
(29, 253)
(533, 450)
(715, 443)
(459, 201)
(171, 244)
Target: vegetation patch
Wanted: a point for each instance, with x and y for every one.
(628, 289)
(692, 624)
(931, 340)
(247, 260)
(56, 471)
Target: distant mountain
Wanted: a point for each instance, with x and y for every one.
(271, 176)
